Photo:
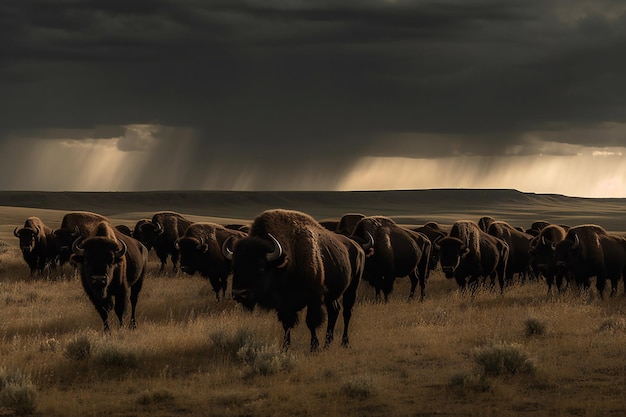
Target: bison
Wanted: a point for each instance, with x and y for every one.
(519, 246)
(542, 255)
(112, 268)
(288, 262)
(33, 238)
(161, 233)
(468, 253)
(392, 252)
(589, 250)
(434, 235)
(201, 251)
(484, 223)
(348, 223)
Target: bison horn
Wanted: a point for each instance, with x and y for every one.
(277, 252)
(15, 232)
(370, 242)
(122, 251)
(228, 254)
(176, 245)
(159, 228)
(576, 242)
(77, 248)
(203, 246)
(76, 231)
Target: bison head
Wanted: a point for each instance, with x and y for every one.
(451, 252)
(542, 252)
(27, 237)
(192, 251)
(97, 258)
(146, 232)
(64, 238)
(566, 252)
(256, 261)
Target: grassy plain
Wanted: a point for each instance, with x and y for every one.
(519, 354)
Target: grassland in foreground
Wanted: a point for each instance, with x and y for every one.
(520, 354)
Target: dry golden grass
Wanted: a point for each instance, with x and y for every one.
(520, 354)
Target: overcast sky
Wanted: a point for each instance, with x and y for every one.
(304, 94)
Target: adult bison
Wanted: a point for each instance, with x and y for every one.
(201, 251)
(519, 245)
(468, 253)
(434, 235)
(588, 251)
(112, 268)
(348, 223)
(542, 255)
(33, 238)
(484, 223)
(392, 252)
(161, 233)
(288, 262)
(74, 225)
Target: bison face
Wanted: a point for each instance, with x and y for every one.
(192, 251)
(451, 253)
(566, 253)
(256, 262)
(64, 238)
(27, 239)
(147, 232)
(97, 259)
(542, 253)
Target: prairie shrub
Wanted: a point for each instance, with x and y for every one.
(17, 392)
(78, 349)
(503, 359)
(535, 327)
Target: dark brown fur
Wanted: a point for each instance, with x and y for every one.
(201, 251)
(397, 252)
(316, 269)
(111, 281)
(34, 244)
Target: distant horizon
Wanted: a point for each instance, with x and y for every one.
(190, 190)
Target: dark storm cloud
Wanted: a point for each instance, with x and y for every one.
(283, 80)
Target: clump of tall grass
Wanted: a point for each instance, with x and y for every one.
(498, 360)
(159, 396)
(229, 343)
(475, 382)
(259, 359)
(78, 348)
(503, 359)
(112, 355)
(359, 387)
(534, 327)
(265, 360)
(17, 392)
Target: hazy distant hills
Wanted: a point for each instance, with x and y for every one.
(407, 206)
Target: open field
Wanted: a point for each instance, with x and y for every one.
(518, 354)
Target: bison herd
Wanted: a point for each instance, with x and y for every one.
(285, 260)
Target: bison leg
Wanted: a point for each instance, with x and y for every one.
(315, 317)
(104, 309)
(162, 255)
(175, 256)
(333, 312)
(288, 320)
(415, 279)
(134, 296)
(349, 298)
(121, 300)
